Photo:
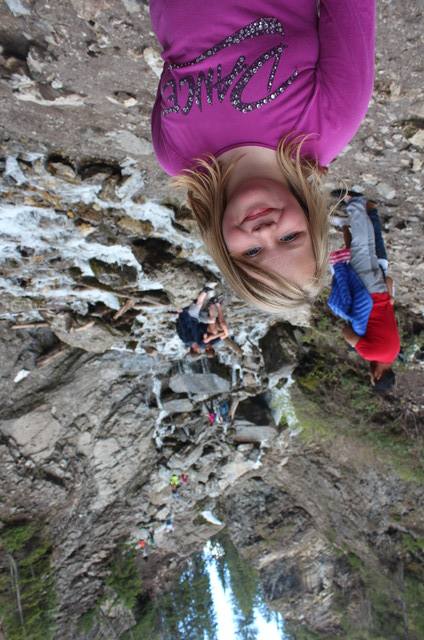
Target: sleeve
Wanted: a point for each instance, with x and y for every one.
(345, 71)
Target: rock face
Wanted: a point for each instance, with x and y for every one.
(199, 383)
(99, 404)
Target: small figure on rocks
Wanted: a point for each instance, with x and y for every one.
(152, 537)
(211, 415)
(142, 544)
(362, 293)
(202, 324)
(224, 411)
(169, 526)
(184, 478)
(174, 487)
(217, 327)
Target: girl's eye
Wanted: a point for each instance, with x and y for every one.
(289, 237)
(252, 252)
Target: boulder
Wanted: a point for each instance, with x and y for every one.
(199, 383)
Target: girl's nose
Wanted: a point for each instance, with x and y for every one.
(264, 225)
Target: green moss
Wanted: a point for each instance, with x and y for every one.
(414, 545)
(354, 561)
(86, 621)
(336, 397)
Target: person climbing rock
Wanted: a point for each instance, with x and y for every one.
(169, 526)
(362, 293)
(174, 481)
(184, 478)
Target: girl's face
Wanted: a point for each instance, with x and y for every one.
(264, 222)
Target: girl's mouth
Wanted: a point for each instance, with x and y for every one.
(258, 213)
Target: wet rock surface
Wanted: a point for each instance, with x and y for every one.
(99, 403)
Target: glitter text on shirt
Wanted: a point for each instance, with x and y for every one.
(171, 91)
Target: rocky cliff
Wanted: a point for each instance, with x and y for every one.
(318, 482)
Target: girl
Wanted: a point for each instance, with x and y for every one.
(255, 99)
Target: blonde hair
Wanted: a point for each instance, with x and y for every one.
(205, 184)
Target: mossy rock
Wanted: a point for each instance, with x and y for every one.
(114, 275)
(139, 228)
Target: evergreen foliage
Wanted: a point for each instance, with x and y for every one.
(148, 624)
(124, 577)
(244, 583)
(28, 602)
(186, 613)
(87, 621)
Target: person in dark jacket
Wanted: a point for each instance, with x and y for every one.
(202, 324)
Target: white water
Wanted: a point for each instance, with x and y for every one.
(281, 405)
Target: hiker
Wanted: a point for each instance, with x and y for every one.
(152, 537)
(211, 415)
(254, 100)
(363, 294)
(184, 478)
(199, 327)
(169, 526)
(174, 487)
(224, 410)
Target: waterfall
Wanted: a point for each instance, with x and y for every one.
(160, 430)
(281, 405)
(236, 375)
(156, 389)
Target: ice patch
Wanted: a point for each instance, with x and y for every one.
(35, 236)
(130, 187)
(17, 8)
(14, 171)
(129, 142)
(154, 60)
(208, 515)
(23, 373)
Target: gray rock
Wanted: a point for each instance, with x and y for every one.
(199, 383)
(182, 405)
(386, 191)
(246, 432)
(36, 433)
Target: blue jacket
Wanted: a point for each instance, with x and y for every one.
(349, 298)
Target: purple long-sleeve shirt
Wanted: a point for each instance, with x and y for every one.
(247, 73)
